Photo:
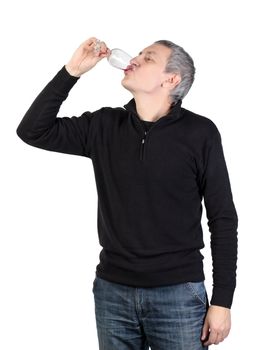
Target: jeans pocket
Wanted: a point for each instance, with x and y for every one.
(198, 290)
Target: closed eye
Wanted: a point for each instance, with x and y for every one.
(147, 59)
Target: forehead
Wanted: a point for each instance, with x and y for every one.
(158, 51)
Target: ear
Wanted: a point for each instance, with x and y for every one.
(172, 81)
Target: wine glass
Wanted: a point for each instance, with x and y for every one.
(119, 59)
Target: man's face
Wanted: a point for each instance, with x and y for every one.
(146, 71)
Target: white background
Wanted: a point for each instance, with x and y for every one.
(49, 247)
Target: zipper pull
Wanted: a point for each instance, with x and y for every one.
(143, 139)
(142, 146)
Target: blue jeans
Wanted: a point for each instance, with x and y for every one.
(162, 318)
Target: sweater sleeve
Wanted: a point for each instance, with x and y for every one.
(41, 128)
(222, 222)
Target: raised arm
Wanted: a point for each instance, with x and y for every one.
(40, 126)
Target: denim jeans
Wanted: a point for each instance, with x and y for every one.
(162, 318)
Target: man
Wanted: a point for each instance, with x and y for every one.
(154, 162)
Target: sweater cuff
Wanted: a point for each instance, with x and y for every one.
(222, 297)
(63, 81)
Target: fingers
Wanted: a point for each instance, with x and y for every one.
(216, 326)
(93, 44)
(104, 53)
(101, 49)
(210, 337)
(205, 331)
(214, 338)
(91, 41)
(97, 47)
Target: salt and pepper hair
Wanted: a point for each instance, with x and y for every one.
(179, 62)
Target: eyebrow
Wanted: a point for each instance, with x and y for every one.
(148, 52)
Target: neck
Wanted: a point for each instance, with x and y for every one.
(151, 109)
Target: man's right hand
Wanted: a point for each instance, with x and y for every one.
(87, 55)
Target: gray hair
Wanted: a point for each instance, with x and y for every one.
(182, 63)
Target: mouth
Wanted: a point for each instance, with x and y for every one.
(129, 68)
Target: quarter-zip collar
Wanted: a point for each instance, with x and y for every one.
(174, 112)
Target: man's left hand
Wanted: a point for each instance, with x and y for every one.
(217, 325)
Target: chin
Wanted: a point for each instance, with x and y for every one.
(126, 85)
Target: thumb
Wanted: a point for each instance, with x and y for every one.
(205, 331)
(103, 54)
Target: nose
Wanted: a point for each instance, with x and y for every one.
(134, 62)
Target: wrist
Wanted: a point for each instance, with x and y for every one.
(72, 71)
(218, 307)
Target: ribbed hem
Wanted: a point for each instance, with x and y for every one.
(222, 297)
(146, 279)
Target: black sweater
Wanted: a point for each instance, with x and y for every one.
(150, 187)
